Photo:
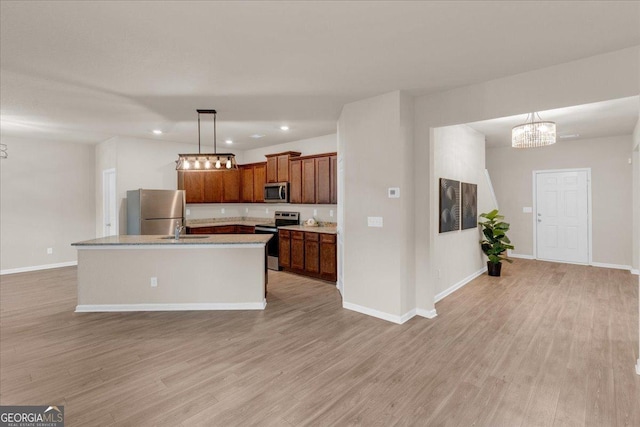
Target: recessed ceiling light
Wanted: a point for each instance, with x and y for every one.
(284, 127)
(228, 141)
(157, 132)
(257, 136)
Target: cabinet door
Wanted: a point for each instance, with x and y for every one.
(200, 230)
(246, 184)
(328, 257)
(259, 179)
(295, 185)
(311, 253)
(245, 229)
(323, 180)
(333, 179)
(297, 250)
(283, 168)
(193, 184)
(224, 229)
(284, 248)
(212, 186)
(272, 169)
(231, 186)
(308, 181)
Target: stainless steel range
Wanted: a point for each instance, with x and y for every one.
(281, 218)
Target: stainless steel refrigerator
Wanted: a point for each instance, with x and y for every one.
(154, 211)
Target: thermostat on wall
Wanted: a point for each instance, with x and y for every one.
(394, 192)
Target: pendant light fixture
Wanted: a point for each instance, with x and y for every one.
(207, 161)
(533, 133)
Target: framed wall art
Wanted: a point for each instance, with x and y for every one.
(449, 205)
(469, 204)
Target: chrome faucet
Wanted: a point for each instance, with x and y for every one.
(177, 231)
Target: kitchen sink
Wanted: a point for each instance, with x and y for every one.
(184, 237)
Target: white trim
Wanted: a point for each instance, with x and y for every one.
(635, 271)
(37, 267)
(493, 193)
(638, 367)
(105, 214)
(429, 314)
(97, 308)
(379, 314)
(521, 256)
(589, 212)
(458, 285)
(614, 266)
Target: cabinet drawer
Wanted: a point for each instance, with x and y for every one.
(298, 235)
(328, 238)
(285, 234)
(311, 237)
(245, 229)
(224, 229)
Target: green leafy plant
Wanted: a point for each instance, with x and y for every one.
(495, 241)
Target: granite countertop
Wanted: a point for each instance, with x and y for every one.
(212, 222)
(327, 229)
(198, 239)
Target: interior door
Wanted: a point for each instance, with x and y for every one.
(562, 216)
(110, 224)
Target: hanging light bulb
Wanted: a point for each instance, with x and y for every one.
(228, 163)
(186, 164)
(218, 163)
(197, 163)
(207, 164)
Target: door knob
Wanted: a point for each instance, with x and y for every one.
(539, 220)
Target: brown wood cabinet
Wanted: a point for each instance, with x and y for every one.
(222, 229)
(333, 178)
(193, 183)
(295, 185)
(259, 179)
(210, 186)
(323, 180)
(309, 181)
(252, 180)
(231, 186)
(246, 183)
(313, 179)
(284, 248)
(309, 253)
(278, 166)
(297, 250)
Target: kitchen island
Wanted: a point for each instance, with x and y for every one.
(159, 273)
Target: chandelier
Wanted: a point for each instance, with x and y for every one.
(206, 161)
(533, 133)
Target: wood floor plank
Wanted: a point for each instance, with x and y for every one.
(545, 344)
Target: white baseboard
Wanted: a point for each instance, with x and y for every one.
(521, 256)
(379, 314)
(458, 285)
(638, 367)
(614, 266)
(37, 267)
(97, 308)
(429, 314)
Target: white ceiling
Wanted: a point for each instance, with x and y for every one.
(608, 118)
(88, 71)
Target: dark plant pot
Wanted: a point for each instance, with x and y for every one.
(494, 268)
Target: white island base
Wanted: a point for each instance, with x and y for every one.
(118, 274)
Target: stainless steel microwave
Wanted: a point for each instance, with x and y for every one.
(276, 192)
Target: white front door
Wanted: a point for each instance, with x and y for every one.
(110, 220)
(562, 216)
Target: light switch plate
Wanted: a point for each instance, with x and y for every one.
(527, 209)
(394, 192)
(374, 221)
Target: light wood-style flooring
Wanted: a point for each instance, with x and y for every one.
(545, 345)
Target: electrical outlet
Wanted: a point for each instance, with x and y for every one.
(246, 210)
(222, 210)
(439, 274)
(49, 251)
(315, 212)
(188, 212)
(374, 221)
(331, 213)
(154, 282)
(266, 210)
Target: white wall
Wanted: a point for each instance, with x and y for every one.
(573, 83)
(46, 201)
(611, 177)
(459, 154)
(375, 143)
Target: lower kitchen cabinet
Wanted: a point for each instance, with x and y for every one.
(309, 253)
(222, 229)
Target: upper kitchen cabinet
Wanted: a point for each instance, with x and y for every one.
(252, 180)
(210, 186)
(278, 166)
(313, 179)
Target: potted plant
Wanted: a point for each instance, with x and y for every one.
(495, 241)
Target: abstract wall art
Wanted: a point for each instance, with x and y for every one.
(469, 205)
(449, 205)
